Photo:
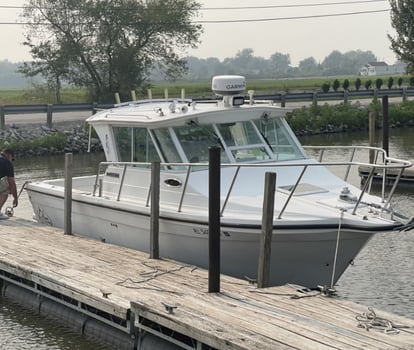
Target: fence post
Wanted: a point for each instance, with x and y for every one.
(2, 118)
(117, 98)
(404, 94)
(315, 99)
(214, 220)
(155, 210)
(282, 99)
(133, 95)
(346, 93)
(49, 112)
(263, 274)
(67, 216)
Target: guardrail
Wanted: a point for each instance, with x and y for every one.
(281, 97)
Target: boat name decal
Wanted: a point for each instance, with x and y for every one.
(204, 231)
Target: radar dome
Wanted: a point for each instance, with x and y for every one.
(227, 85)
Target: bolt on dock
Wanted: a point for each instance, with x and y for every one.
(139, 301)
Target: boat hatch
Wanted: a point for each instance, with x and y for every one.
(302, 189)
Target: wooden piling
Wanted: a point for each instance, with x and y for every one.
(155, 210)
(2, 118)
(214, 220)
(263, 274)
(67, 217)
(49, 113)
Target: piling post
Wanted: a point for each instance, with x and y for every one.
(263, 274)
(67, 217)
(385, 124)
(155, 210)
(214, 220)
(49, 113)
(2, 118)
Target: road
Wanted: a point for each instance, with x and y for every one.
(40, 118)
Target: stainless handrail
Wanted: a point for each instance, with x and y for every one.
(389, 163)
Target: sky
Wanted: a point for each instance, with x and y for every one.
(265, 26)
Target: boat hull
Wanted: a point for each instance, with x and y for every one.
(301, 255)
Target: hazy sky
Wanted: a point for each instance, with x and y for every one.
(270, 31)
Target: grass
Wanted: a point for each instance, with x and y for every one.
(41, 95)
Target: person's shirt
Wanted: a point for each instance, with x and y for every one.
(6, 167)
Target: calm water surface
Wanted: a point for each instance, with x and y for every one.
(382, 276)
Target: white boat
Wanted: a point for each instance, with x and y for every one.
(320, 221)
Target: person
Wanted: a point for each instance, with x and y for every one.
(7, 182)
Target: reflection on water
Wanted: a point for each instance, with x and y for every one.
(22, 329)
(382, 276)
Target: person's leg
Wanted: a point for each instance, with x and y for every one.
(3, 199)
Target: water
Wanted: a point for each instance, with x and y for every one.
(382, 275)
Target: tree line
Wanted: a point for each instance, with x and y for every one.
(112, 46)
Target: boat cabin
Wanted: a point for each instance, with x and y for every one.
(183, 131)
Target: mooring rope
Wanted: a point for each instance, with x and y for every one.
(337, 246)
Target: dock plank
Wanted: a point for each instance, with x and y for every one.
(116, 279)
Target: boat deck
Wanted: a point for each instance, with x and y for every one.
(140, 292)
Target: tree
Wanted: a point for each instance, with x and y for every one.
(110, 45)
(51, 64)
(402, 20)
(279, 64)
(400, 81)
(368, 84)
(309, 67)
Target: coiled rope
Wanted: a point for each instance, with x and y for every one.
(369, 320)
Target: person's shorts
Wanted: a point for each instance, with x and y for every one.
(4, 185)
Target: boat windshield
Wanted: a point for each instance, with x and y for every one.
(257, 140)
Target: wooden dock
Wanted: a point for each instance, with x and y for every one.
(170, 300)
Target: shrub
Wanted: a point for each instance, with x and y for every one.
(378, 83)
(336, 85)
(325, 87)
(345, 85)
(390, 82)
(357, 84)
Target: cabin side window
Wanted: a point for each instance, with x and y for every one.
(135, 145)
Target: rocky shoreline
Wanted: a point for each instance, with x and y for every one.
(76, 134)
